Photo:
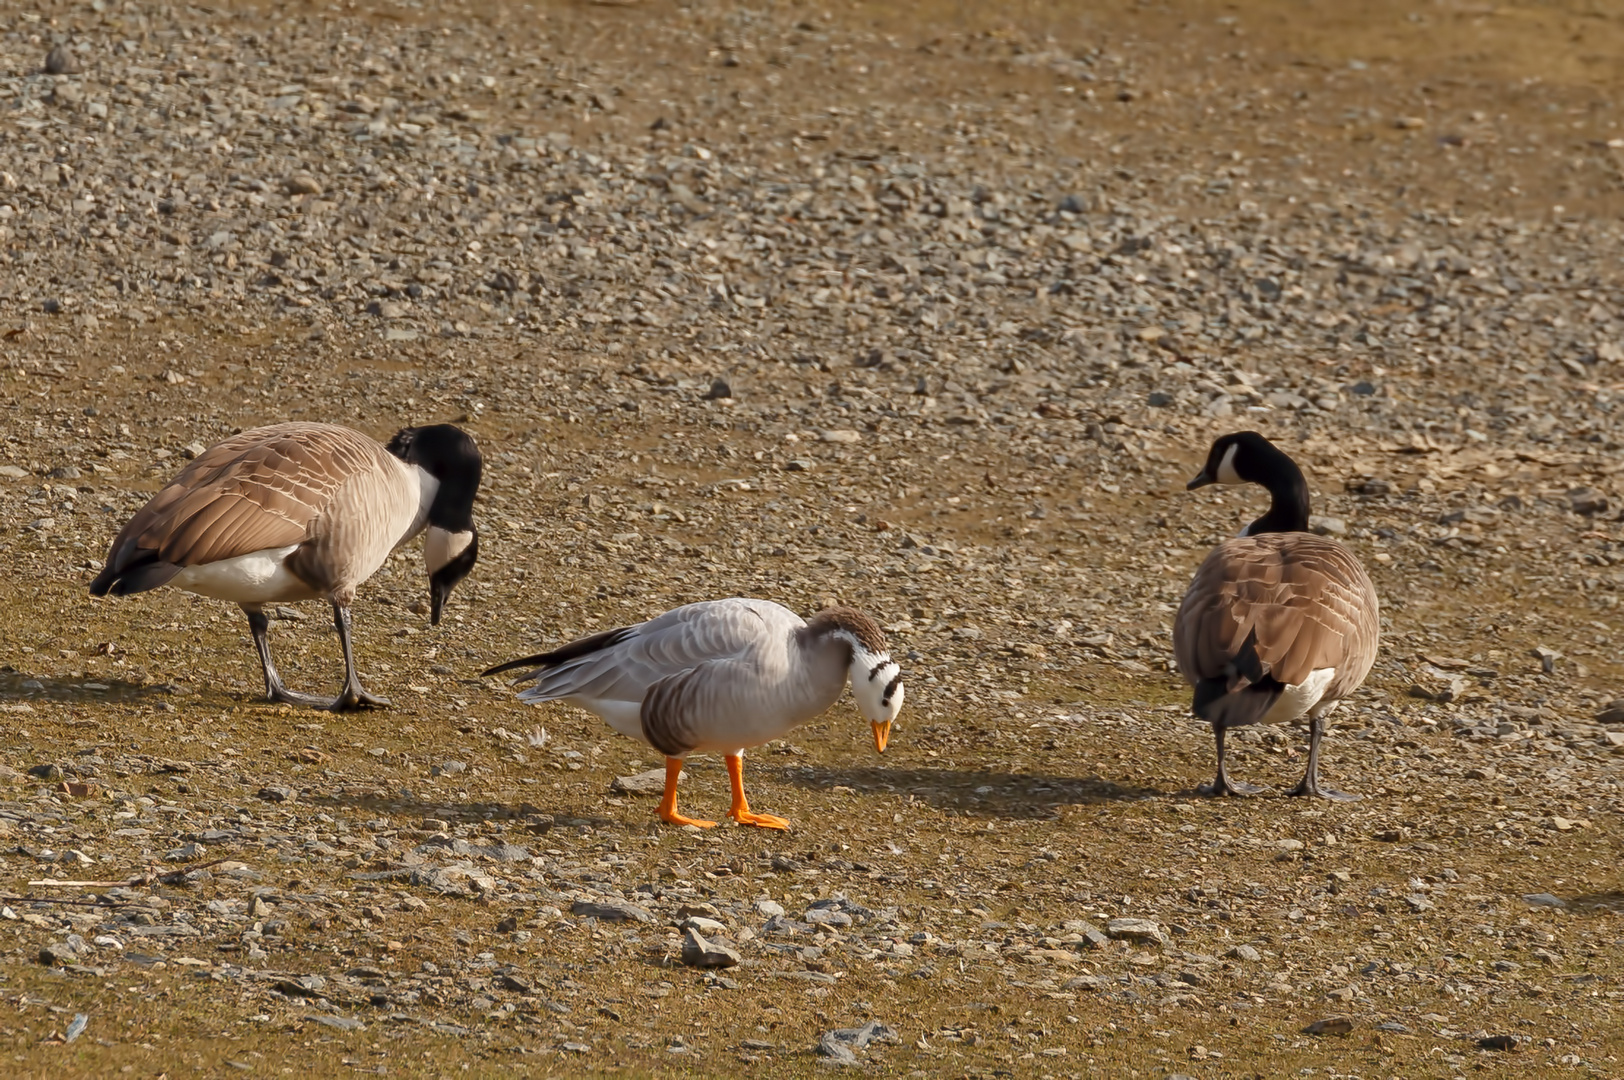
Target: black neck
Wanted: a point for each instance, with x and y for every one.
(453, 505)
(1288, 491)
(451, 457)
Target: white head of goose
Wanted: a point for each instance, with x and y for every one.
(723, 675)
(1278, 622)
(300, 512)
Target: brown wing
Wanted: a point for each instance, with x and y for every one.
(261, 489)
(1312, 604)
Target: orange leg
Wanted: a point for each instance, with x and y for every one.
(741, 806)
(668, 802)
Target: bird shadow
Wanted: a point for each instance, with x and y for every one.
(19, 686)
(1603, 901)
(974, 792)
(457, 812)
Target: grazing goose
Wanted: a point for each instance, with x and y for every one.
(722, 675)
(1278, 622)
(300, 512)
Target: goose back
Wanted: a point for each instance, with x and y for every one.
(1302, 601)
(334, 501)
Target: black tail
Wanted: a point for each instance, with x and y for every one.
(1244, 695)
(147, 572)
(565, 653)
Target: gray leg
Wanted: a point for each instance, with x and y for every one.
(1310, 783)
(259, 625)
(1222, 784)
(353, 695)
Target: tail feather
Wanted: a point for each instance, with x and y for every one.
(148, 572)
(1245, 693)
(564, 654)
(1225, 708)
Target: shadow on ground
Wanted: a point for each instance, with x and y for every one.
(454, 812)
(977, 792)
(19, 686)
(1604, 901)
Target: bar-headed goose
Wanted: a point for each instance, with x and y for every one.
(301, 512)
(1278, 622)
(722, 675)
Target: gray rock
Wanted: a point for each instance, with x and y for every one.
(1140, 930)
(697, 951)
(1244, 952)
(61, 61)
(835, 1052)
(1544, 899)
(719, 389)
(338, 1023)
(651, 782)
(278, 793)
(611, 911)
(186, 853)
(839, 1045)
(1587, 501)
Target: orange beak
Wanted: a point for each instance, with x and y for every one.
(882, 734)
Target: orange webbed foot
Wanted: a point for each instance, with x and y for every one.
(765, 821)
(674, 818)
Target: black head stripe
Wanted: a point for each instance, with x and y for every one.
(891, 688)
(874, 672)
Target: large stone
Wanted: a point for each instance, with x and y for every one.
(700, 952)
(1140, 930)
(611, 911)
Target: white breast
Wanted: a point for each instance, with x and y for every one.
(1297, 700)
(256, 578)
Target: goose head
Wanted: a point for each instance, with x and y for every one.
(449, 456)
(1246, 457)
(876, 683)
(876, 680)
(1241, 457)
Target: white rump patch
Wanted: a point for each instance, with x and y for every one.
(1296, 701)
(256, 578)
(441, 546)
(1226, 467)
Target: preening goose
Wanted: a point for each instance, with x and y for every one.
(300, 512)
(722, 675)
(1278, 622)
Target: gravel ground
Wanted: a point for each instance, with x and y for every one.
(901, 306)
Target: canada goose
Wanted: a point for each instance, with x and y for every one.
(722, 675)
(1278, 622)
(301, 511)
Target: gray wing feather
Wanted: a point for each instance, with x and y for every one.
(668, 645)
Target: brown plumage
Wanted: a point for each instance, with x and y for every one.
(299, 511)
(854, 622)
(269, 488)
(1278, 623)
(1310, 602)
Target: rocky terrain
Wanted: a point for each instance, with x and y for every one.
(930, 309)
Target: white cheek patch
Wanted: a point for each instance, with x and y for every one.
(440, 546)
(1226, 467)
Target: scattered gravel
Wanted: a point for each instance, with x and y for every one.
(932, 317)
